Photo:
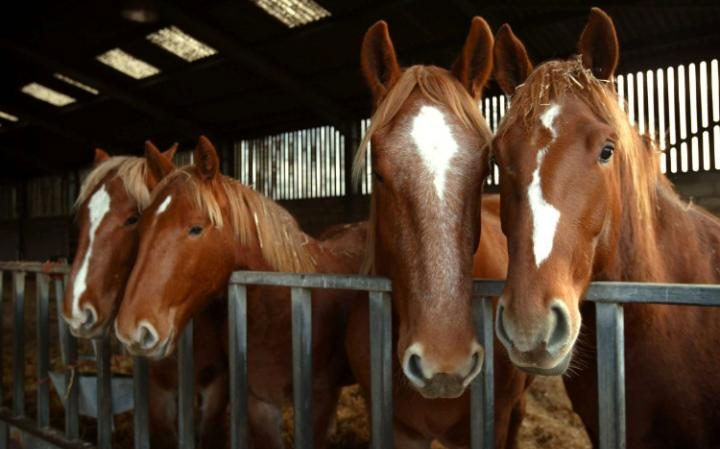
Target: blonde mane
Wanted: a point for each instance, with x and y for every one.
(436, 85)
(283, 244)
(130, 169)
(636, 156)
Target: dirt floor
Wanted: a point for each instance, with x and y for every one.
(550, 421)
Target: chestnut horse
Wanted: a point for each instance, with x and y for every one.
(583, 199)
(108, 207)
(430, 160)
(199, 228)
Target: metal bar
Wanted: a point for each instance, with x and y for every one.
(48, 434)
(302, 366)
(68, 348)
(343, 282)
(482, 410)
(611, 375)
(19, 344)
(237, 314)
(631, 292)
(186, 430)
(141, 431)
(104, 397)
(642, 292)
(35, 267)
(381, 370)
(42, 282)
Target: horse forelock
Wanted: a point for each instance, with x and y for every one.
(283, 244)
(131, 170)
(439, 87)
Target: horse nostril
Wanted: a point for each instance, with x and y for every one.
(561, 332)
(500, 327)
(89, 318)
(147, 337)
(475, 366)
(414, 367)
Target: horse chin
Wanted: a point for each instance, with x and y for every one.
(97, 331)
(556, 370)
(442, 386)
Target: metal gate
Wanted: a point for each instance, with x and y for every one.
(608, 297)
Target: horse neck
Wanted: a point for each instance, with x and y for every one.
(670, 247)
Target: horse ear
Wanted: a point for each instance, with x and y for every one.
(474, 64)
(512, 65)
(206, 159)
(100, 156)
(159, 164)
(598, 45)
(170, 152)
(378, 61)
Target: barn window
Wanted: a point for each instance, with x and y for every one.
(8, 203)
(183, 45)
(127, 64)
(8, 117)
(308, 163)
(293, 13)
(47, 95)
(49, 196)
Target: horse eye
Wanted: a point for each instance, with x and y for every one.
(132, 220)
(378, 177)
(606, 153)
(195, 230)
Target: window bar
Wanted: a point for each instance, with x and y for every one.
(611, 374)
(316, 152)
(42, 282)
(68, 350)
(694, 112)
(381, 370)
(186, 430)
(482, 394)
(640, 89)
(237, 314)
(19, 344)
(704, 94)
(302, 366)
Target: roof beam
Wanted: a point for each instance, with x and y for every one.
(183, 126)
(247, 58)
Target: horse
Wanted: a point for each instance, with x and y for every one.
(200, 227)
(108, 207)
(583, 199)
(430, 159)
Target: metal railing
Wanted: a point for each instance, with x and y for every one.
(608, 297)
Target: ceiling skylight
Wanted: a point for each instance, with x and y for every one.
(293, 13)
(8, 117)
(47, 95)
(175, 41)
(75, 83)
(127, 64)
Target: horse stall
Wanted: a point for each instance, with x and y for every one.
(115, 335)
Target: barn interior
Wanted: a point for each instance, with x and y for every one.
(282, 97)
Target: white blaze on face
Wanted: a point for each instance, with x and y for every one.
(545, 216)
(164, 205)
(435, 144)
(98, 207)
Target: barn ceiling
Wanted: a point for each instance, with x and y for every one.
(262, 76)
